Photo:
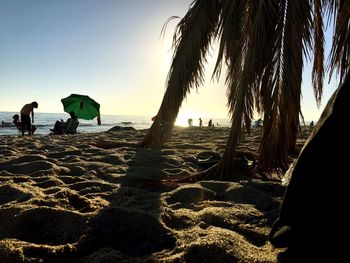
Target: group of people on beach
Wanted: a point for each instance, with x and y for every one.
(210, 123)
(25, 122)
(68, 127)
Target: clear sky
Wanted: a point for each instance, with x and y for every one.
(111, 50)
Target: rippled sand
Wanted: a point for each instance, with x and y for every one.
(93, 198)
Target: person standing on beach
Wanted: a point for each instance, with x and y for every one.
(200, 122)
(190, 122)
(25, 117)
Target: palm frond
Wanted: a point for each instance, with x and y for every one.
(263, 44)
(246, 44)
(340, 53)
(282, 100)
(162, 32)
(318, 69)
(191, 42)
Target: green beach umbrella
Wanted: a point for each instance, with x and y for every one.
(83, 106)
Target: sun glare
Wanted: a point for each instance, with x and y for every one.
(182, 119)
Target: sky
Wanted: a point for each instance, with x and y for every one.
(111, 50)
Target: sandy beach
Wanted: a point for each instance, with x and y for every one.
(93, 198)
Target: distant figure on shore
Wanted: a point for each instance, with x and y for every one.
(26, 122)
(200, 122)
(257, 123)
(5, 124)
(311, 123)
(190, 122)
(68, 127)
(18, 124)
(210, 123)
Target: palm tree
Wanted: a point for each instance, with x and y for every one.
(264, 44)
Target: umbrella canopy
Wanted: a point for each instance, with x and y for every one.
(83, 106)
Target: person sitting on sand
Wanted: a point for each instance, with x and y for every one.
(68, 127)
(71, 124)
(58, 127)
(18, 124)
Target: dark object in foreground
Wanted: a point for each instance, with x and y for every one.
(206, 159)
(312, 223)
(121, 128)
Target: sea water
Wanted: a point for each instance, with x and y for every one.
(45, 121)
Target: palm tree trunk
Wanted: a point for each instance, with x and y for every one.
(164, 121)
(225, 168)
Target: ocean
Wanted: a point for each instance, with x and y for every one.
(46, 121)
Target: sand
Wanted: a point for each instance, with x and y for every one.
(92, 198)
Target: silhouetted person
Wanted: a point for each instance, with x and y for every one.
(200, 122)
(68, 127)
(58, 127)
(190, 122)
(210, 123)
(18, 124)
(71, 124)
(26, 122)
(258, 123)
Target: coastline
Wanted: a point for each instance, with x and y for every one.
(46, 121)
(92, 197)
